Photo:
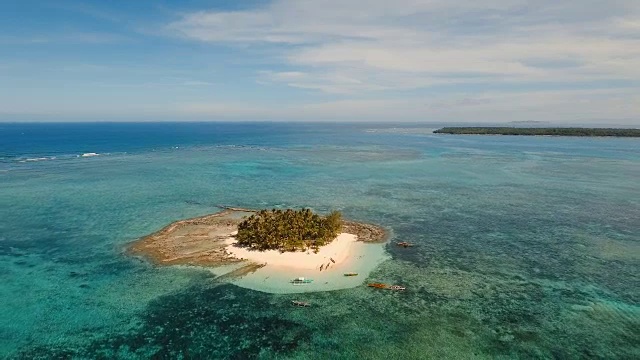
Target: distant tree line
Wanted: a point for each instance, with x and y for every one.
(288, 230)
(540, 131)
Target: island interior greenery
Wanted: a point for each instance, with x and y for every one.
(288, 230)
(540, 131)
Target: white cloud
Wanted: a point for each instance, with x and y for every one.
(350, 47)
(432, 60)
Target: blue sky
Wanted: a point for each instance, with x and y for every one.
(572, 61)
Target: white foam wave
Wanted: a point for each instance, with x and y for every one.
(90, 154)
(37, 159)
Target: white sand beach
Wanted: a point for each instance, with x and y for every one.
(348, 254)
(340, 250)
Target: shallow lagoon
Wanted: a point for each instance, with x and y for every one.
(526, 247)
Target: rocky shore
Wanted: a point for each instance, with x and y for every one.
(368, 233)
(197, 241)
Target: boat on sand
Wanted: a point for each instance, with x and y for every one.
(351, 274)
(301, 281)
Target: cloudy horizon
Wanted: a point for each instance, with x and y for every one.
(575, 62)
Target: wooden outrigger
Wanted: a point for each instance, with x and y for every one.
(388, 287)
(378, 285)
(404, 244)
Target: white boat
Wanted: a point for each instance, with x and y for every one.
(397, 287)
(301, 281)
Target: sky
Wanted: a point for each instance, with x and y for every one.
(570, 61)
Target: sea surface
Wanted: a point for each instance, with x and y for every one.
(526, 247)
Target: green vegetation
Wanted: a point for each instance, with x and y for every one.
(540, 131)
(288, 230)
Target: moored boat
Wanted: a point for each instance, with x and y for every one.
(385, 286)
(300, 303)
(378, 285)
(351, 274)
(404, 244)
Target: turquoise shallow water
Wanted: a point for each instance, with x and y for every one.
(526, 247)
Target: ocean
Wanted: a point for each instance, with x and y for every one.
(526, 247)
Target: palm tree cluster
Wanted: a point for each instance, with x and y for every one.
(288, 230)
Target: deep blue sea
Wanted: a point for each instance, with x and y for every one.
(526, 247)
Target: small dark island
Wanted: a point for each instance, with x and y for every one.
(539, 131)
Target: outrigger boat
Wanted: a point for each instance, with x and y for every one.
(301, 281)
(351, 274)
(300, 303)
(404, 244)
(378, 285)
(388, 287)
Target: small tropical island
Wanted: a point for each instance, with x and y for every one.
(548, 131)
(270, 250)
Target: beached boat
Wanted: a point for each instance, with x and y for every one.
(301, 281)
(397, 287)
(300, 303)
(351, 274)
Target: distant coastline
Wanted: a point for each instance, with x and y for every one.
(549, 131)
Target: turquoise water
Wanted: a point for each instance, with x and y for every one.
(526, 247)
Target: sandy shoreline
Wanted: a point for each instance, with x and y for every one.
(208, 241)
(335, 253)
